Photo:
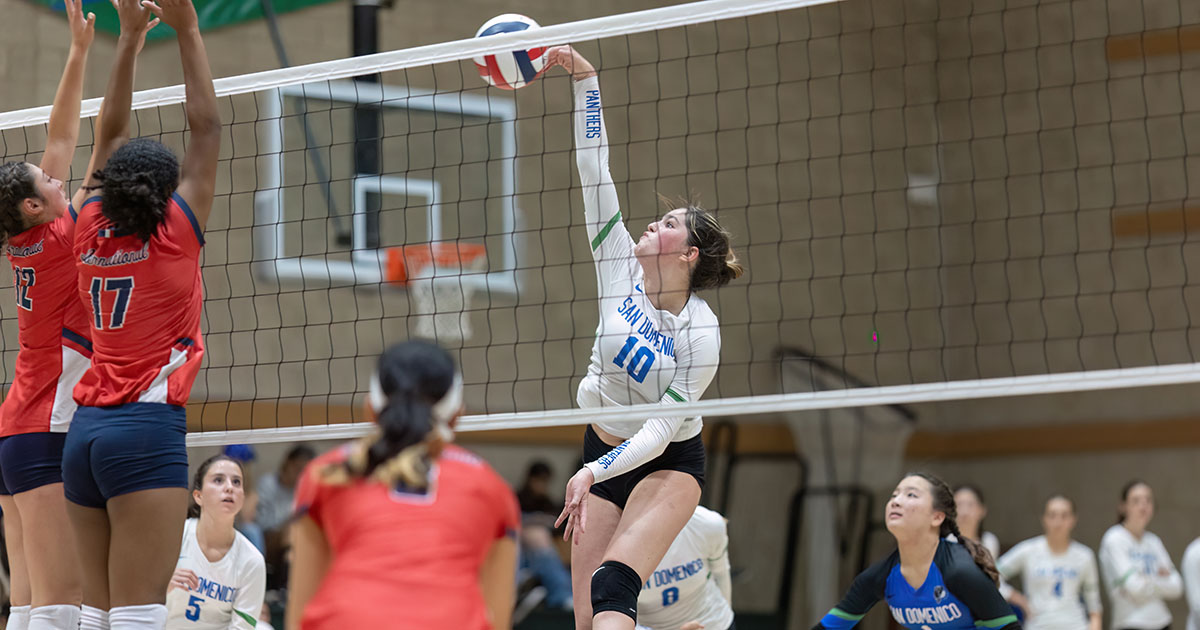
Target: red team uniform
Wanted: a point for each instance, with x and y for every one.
(144, 301)
(54, 331)
(406, 560)
(55, 350)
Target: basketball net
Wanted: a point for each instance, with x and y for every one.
(438, 293)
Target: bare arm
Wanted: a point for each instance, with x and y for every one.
(112, 127)
(63, 130)
(310, 561)
(497, 579)
(198, 179)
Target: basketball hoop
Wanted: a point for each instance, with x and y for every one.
(438, 296)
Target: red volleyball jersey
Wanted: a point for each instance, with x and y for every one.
(144, 301)
(407, 560)
(54, 335)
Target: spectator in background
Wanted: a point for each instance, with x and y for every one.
(1137, 571)
(971, 511)
(277, 490)
(538, 553)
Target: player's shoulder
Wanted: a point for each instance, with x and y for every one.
(249, 557)
(458, 456)
(708, 521)
(1192, 551)
(1029, 545)
(1117, 534)
(955, 561)
(1080, 549)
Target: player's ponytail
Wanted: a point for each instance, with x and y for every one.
(415, 393)
(16, 185)
(716, 265)
(943, 501)
(138, 182)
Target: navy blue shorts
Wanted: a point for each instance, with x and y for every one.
(686, 456)
(112, 451)
(29, 461)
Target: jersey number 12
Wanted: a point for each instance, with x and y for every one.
(24, 279)
(123, 287)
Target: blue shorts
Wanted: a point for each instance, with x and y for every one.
(29, 461)
(111, 451)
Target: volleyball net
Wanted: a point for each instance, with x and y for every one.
(942, 202)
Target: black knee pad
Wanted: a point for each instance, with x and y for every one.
(615, 587)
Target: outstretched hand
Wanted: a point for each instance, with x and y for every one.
(83, 29)
(178, 14)
(575, 508)
(135, 20)
(574, 63)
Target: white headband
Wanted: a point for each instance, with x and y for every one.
(443, 410)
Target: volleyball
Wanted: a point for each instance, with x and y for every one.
(514, 69)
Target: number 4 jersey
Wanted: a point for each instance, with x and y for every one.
(641, 354)
(144, 301)
(54, 332)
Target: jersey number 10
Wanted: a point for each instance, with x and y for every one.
(124, 290)
(639, 365)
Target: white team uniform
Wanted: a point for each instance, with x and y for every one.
(692, 581)
(1130, 568)
(231, 589)
(641, 354)
(1190, 567)
(1062, 588)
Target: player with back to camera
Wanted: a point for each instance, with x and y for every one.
(37, 223)
(401, 529)
(690, 589)
(220, 579)
(137, 249)
(937, 579)
(1059, 575)
(657, 342)
(1136, 567)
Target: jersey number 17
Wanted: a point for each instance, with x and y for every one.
(123, 287)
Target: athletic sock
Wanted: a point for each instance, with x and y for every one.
(92, 618)
(18, 618)
(56, 617)
(143, 617)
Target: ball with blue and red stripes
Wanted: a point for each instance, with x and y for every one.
(515, 69)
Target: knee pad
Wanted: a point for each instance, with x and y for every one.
(615, 587)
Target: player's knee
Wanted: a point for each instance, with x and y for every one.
(615, 587)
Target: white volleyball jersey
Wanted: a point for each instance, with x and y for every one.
(692, 581)
(1063, 589)
(1131, 573)
(231, 590)
(641, 354)
(1190, 567)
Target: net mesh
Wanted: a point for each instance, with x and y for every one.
(923, 193)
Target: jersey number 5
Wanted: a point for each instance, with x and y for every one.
(124, 290)
(24, 279)
(193, 608)
(640, 364)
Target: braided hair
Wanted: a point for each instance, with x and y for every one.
(943, 501)
(413, 377)
(16, 185)
(138, 181)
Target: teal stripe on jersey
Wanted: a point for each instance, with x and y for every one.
(672, 394)
(841, 614)
(996, 623)
(604, 232)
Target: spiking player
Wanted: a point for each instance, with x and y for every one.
(39, 225)
(137, 249)
(930, 582)
(690, 589)
(657, 341)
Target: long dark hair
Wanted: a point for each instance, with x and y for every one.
(1125, 490)
(198, 480)
(16, 185)
(717, 265)
(943, 501)
(138, 181)
(414, 376)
